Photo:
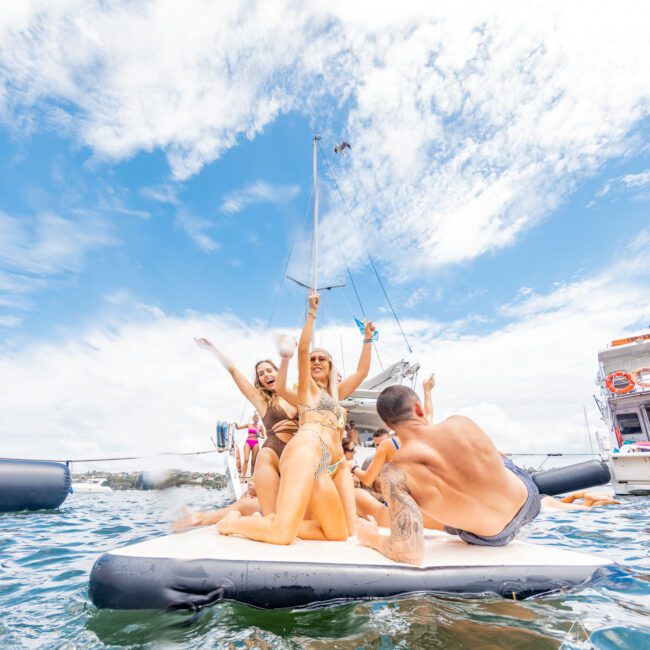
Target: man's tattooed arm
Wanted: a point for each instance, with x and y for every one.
(406, 541)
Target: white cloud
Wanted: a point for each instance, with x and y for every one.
(35, 248)
(10, 321)
(137, 384)
(467, 125)
(627, 182)
(258, 192)
(196, 228)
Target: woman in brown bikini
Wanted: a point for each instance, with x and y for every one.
(279, 417)
(312, 468)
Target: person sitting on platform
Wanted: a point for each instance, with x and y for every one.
(452, 473)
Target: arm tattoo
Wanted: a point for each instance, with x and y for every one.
(406, 541)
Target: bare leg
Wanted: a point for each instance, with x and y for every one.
(247, 453)
(299, 462)
(256, 449)
(589, 500)
(244, 506)
(267, 479)
(328, 520)
(345, 486)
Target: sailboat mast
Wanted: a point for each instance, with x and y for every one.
(314, 240)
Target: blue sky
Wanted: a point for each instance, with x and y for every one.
(153, 180)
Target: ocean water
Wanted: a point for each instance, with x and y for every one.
(46, 557)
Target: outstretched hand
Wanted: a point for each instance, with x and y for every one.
(429, 384)
(367, 530)
(206, 344)
(368, 329)
(314, 299)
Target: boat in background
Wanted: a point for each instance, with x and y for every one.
(624, 380)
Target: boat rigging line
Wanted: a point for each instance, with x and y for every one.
(101, 460)
(372, 262)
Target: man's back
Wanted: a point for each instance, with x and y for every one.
(457, 477)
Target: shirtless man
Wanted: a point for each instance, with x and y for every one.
(452, 474)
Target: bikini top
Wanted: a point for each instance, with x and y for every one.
(253, 432)
(276, 420)
(327, 407)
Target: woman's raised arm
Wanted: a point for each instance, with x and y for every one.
(245, 387)
(353, 381)
(304, 370)
(286, 348)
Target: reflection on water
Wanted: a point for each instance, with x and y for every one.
(45, 559)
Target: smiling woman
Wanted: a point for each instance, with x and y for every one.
(279, 417)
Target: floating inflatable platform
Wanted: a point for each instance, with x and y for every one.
(196, 568)
(32, 484)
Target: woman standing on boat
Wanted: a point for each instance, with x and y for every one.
(312, 469)
(279, 417)
(251, 444)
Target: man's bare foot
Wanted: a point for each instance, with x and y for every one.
(225, 526)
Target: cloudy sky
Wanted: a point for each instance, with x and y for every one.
(156, 180)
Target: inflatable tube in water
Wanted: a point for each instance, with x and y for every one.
(196, 568)
(32, 484)
(573, 477)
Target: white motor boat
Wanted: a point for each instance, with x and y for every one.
(624, 380)
(93, 485)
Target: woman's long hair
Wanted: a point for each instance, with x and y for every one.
(270, 396)
(332, 379)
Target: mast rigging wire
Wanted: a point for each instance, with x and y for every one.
(372, 263)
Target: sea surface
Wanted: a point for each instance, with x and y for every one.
(46, 557)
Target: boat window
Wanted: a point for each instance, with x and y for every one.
(629, 424)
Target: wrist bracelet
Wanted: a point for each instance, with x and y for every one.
(355, 467)
(312, 315)
(367, 340)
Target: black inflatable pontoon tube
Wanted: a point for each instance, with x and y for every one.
(32, 484)
(573, 477)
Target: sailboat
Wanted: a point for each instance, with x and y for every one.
(361, 406)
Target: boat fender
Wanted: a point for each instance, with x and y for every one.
(641, 372)
(579, 476)
(619, 390)
(32, 484)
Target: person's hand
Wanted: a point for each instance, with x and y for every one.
(367, 530)
(286, 345)
(429, 384)
(314, 299)
(206, 344)
(368, 329)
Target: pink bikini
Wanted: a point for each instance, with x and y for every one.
(251, 441)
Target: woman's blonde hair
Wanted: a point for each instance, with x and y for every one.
(270, 396)
(332, 379)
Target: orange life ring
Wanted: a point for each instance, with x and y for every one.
(609, 382)
(639, 372)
